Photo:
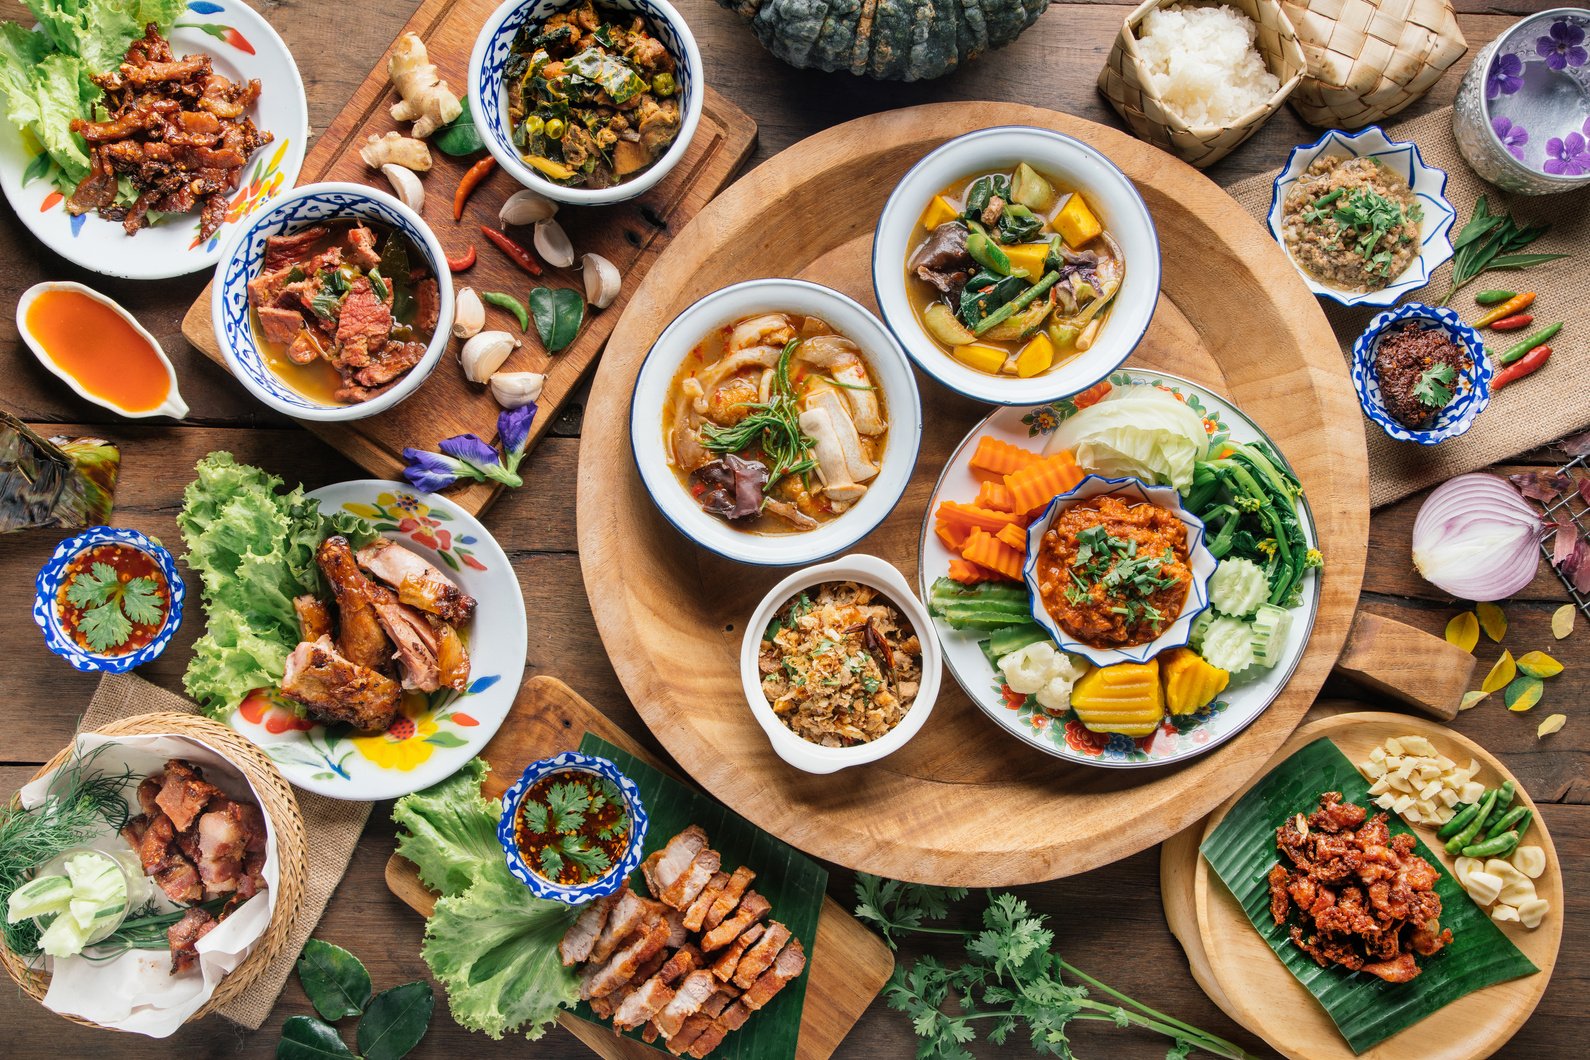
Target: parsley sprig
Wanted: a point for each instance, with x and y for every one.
(111, 606)
(1011, 976)
(1434, 388)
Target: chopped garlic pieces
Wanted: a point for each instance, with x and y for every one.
(1410, 777)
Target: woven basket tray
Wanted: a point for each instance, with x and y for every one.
(1125, 83)
(280, 807)
(1368, 59)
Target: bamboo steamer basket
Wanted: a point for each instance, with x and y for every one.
(1368, 59)
(281, 809)
(1124, 82)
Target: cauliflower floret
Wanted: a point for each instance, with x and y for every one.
(1027, 671)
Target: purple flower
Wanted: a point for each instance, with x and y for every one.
(1568, 156)
(470, 449)
(1505, 76)
(513, 433)
(1513, 137)
(463, 456)
(1562, 47)
(432, 472)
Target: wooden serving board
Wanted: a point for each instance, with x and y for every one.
(1244, 977)
(849, 964)
(629, 234)
(956, 805)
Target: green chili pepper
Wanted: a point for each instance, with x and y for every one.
(1460, 820)
(1504, 797)
(511, 304)
(1466, 836)
(1506, 821)
(1539, 338)
(1494, 297)
(1496, 847)
(1016, 304)
(1524, 822)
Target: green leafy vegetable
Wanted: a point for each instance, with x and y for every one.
(1137, 431)
(110, 607)
(335, 980)
(306, 1038)
(608, 72)
(395, 1021)
(558, 313)
(449, 831)
(1434, 388)
(459, 136)
(1491, 241)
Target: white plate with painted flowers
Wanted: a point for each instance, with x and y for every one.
(241, 46)
(1195, 692)
(435, 733)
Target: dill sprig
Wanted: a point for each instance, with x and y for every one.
(773, 424)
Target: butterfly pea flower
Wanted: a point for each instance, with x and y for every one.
(463, 457)
(513, 433)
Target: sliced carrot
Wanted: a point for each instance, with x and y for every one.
(999, 457)
(995, 497)
(1014, 536)
(972, 517)
(953, 535)
(1033, 487)
(1093, 394)
(968, 573)
(985, 549)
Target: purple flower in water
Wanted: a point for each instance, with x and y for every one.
(513, 432)
(1563, 46)
(1513, 136)
(1568, 156)
(1505, 76)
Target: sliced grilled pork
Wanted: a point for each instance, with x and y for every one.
(693, 990)
(629, 912)
(759, 957)
(604, 1007)
(183, 938)
(697, 911)
(648, 871)
(643, 1003)
(581, 937)
(683, 891)
(677, 858)
(752, 907)
(732, 892)
(787, 966)
(734, 1017)
(184, 793)
(623, 964)
(688, 1034)
(417, 582)
(724, 965)
(677, 935)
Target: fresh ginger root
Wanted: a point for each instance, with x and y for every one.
(425, 98)
(397, 149)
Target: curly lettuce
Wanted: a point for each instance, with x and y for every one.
(449, 831)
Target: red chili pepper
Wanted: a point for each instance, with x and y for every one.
(508, 245)
(463, 261)
(1525, 365)
(469, 182)
(1513, 323)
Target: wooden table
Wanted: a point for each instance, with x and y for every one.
(1123, 938)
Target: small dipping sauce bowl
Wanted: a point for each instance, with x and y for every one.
(597, 775)
(57, 572)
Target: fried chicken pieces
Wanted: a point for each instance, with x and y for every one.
(176, 131)
(1367, 901)
(198, 844)
(691, 967)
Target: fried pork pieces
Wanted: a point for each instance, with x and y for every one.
(1367, 901)
(688, 968)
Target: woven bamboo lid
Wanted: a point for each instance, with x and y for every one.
(1368, 59)
(287, 823)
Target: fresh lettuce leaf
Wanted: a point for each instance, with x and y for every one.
(449, 831)
(1138, 431)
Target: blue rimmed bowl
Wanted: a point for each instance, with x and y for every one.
(1473, 385)
(488, 95)
(1199, 559)
(244, 257)
(1402, 158)
(47, 588)
(614, 877)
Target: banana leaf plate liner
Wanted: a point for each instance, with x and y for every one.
(1365, 1009)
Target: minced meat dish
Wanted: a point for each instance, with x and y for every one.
(1351, 223)
(1419, 369)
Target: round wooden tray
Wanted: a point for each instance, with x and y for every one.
(1240, 973)
(964, 803)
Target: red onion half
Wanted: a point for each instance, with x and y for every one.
(1477, 539)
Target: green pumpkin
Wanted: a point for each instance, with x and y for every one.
(891, 40)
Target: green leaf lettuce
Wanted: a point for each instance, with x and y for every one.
(449, 831)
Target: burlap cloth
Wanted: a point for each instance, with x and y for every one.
(333, 827)
(1538, 409)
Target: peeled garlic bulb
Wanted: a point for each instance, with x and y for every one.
(526, 208)
(602, 281)
(469, 313)
(552, 243)
(1532, 912)
(407, 186)
(516, 389)
(1531, 861)
(483, 354)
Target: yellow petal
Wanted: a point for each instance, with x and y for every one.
(1553, 723)
(1492, 621)
(1472, 699)
(1501, 674)
(1539, 664)
(1562, 620)
(1464, 631)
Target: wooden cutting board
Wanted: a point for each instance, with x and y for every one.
(629, 234)
(849, 963)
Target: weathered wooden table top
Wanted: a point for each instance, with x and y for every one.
(1108, 921)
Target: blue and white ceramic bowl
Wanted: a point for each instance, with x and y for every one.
(47, 588)
(241, 262)
(1199, 559)
(1474, 385)
(488, 96)
(1402, 158)
(615, 876)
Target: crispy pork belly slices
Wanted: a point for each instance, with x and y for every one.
(683, 891)
(148, 789)
(734, 1017)
(706, 1038)
(184, 793)
(630, 912)
(581, 937)
(759, 957)
(622, 965)
(604, 1007)
(726, 901)
(222, 839)
(415, 641)
(359, 636)
(184, 936)
(787, 967)
(725, 963)
(677, 858)
(697, 911)
(417, 582)
(643, 1002)
(162, 859)
(693, 990)
(677, 934)
(335, 688)
(314, 620)
(648, 871)
(753, 907)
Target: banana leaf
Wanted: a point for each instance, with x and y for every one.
(54, 482)
(1366, 1010)
(790, 881)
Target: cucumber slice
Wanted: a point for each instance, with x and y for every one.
(65, 937)
(43, 896)
(1228, 644)
(1199, 627)
(1271, 624)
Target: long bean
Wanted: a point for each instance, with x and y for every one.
(1017, 304)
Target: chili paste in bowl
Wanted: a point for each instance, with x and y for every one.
(572, 828)
(1421, 373)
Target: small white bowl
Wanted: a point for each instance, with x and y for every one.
(1199, 559)
(868, 570)
(648, 439)
(244, 255)
(488, 99)
(1106, 189)
(173, 406)
(1401, 157)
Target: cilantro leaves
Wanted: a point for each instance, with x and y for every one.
(574, 826)
(1434, 388)
(110, 607)
(1363, 220)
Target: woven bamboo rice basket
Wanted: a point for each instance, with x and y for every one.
(1125, 83)
(1368, 59)
(280, 807)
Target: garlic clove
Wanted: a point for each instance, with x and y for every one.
(517, 389)
(526, 208)
(1530, 860)
(484, 353)
(407, 186)
(552, 243)
(469, 313)
(602, 281)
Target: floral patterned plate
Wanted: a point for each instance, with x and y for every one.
(434, 734)
(241, 45)
(1062, 735)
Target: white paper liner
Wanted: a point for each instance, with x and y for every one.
(135, 991)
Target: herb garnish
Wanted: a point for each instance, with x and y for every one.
(773, 424)
(1489, 241)
(563, 817)
(1364, 220)
(1112, 562)
(1434, 388)
(110, 606)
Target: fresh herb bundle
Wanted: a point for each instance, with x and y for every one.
(1492, 241)
(773, 424)
(1434, 388)
(1011, 976)
(110, 607)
